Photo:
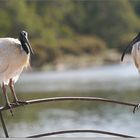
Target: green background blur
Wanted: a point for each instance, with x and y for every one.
(65, 30)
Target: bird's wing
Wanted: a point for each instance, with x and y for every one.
(135, 55)
(129, 47)
(5, 53)
(4, 61)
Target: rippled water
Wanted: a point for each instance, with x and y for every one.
(118, 82)
(58, 119)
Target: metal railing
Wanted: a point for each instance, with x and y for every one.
(56, 99)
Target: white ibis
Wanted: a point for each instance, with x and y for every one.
(135, 46)
(135, 51)
(14, 57)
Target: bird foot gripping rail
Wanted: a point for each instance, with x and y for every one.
(54, 99)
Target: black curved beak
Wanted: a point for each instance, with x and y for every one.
(129, 46)
(27, 41)
(124, 52)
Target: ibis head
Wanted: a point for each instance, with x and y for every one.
(135, 40)
(23, 37)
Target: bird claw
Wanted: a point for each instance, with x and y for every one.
(136, 107)
(17, 102)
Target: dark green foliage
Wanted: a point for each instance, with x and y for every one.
(70, 27)
(105, 18)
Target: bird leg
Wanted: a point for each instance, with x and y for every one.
(6, 99)
(136, 107)
(15, 101)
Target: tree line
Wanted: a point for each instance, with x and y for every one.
(72, 27)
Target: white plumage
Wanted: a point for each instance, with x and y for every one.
(134, 46)
(12, 59)
(136, 54)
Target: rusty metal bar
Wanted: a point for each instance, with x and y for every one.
(80, 131)
(54, 99)
(3, 125)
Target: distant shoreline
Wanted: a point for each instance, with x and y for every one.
(84, 61)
